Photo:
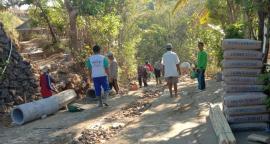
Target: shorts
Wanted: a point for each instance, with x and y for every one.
(172, 80)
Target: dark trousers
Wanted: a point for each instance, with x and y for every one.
(142, 79)
(101, 82)
(114, 84)
(201, 79)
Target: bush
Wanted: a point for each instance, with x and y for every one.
(235, 31)
(10, 22)
(266, 79)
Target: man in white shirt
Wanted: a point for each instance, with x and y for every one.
(98, 66)
(171, 68)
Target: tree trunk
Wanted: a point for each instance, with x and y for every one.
(54, 38)
(72, 13)
(267, 42)
(251, 34)
(73, 30)
(261, 24)
(230, 11)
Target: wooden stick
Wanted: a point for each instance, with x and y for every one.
(221, 127)
(217, 127)
(225, 126)
(259, 138)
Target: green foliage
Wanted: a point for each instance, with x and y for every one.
(57, 15)
(218, 11)
(10, 22)
(2, 7)
(235, 31)
(182, 30)
(128, 66)
(113, 32)
(266, 79)
(238, 17)
(136, 31)
(94, 7)
(87, 7)
(84, 53)
(212, 39)
(268, 102)
(58, 18)
(151, 45)
(104, 29)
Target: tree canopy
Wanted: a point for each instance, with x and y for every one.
(136, 31)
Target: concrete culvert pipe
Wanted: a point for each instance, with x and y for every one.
(34, 110)
(17, 115)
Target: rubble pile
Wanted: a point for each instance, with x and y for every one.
(18, 82)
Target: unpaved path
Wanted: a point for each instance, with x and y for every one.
(181, 120)
(175, 121)
(63, 126)
(167, 121)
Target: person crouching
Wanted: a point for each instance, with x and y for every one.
(47, 88)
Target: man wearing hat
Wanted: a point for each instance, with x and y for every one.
(171, 69)
(113, 72)
(46, 86)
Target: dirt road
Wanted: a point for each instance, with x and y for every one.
(166, 120)
(175, 121)
(63, 126)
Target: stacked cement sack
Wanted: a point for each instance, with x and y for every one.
(244, 100)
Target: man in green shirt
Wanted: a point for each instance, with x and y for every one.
(201, 66)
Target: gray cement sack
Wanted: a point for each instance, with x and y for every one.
(242, 80)
(242, 54)
(241, 44)
(245, 110)
(241, 72)
(242, 63)
(244, 99)
(250, 126)
(243, 88)
(248, 118)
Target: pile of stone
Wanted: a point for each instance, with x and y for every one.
(18, 82)
(95, 136)
(244, 100)
(111, 125)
